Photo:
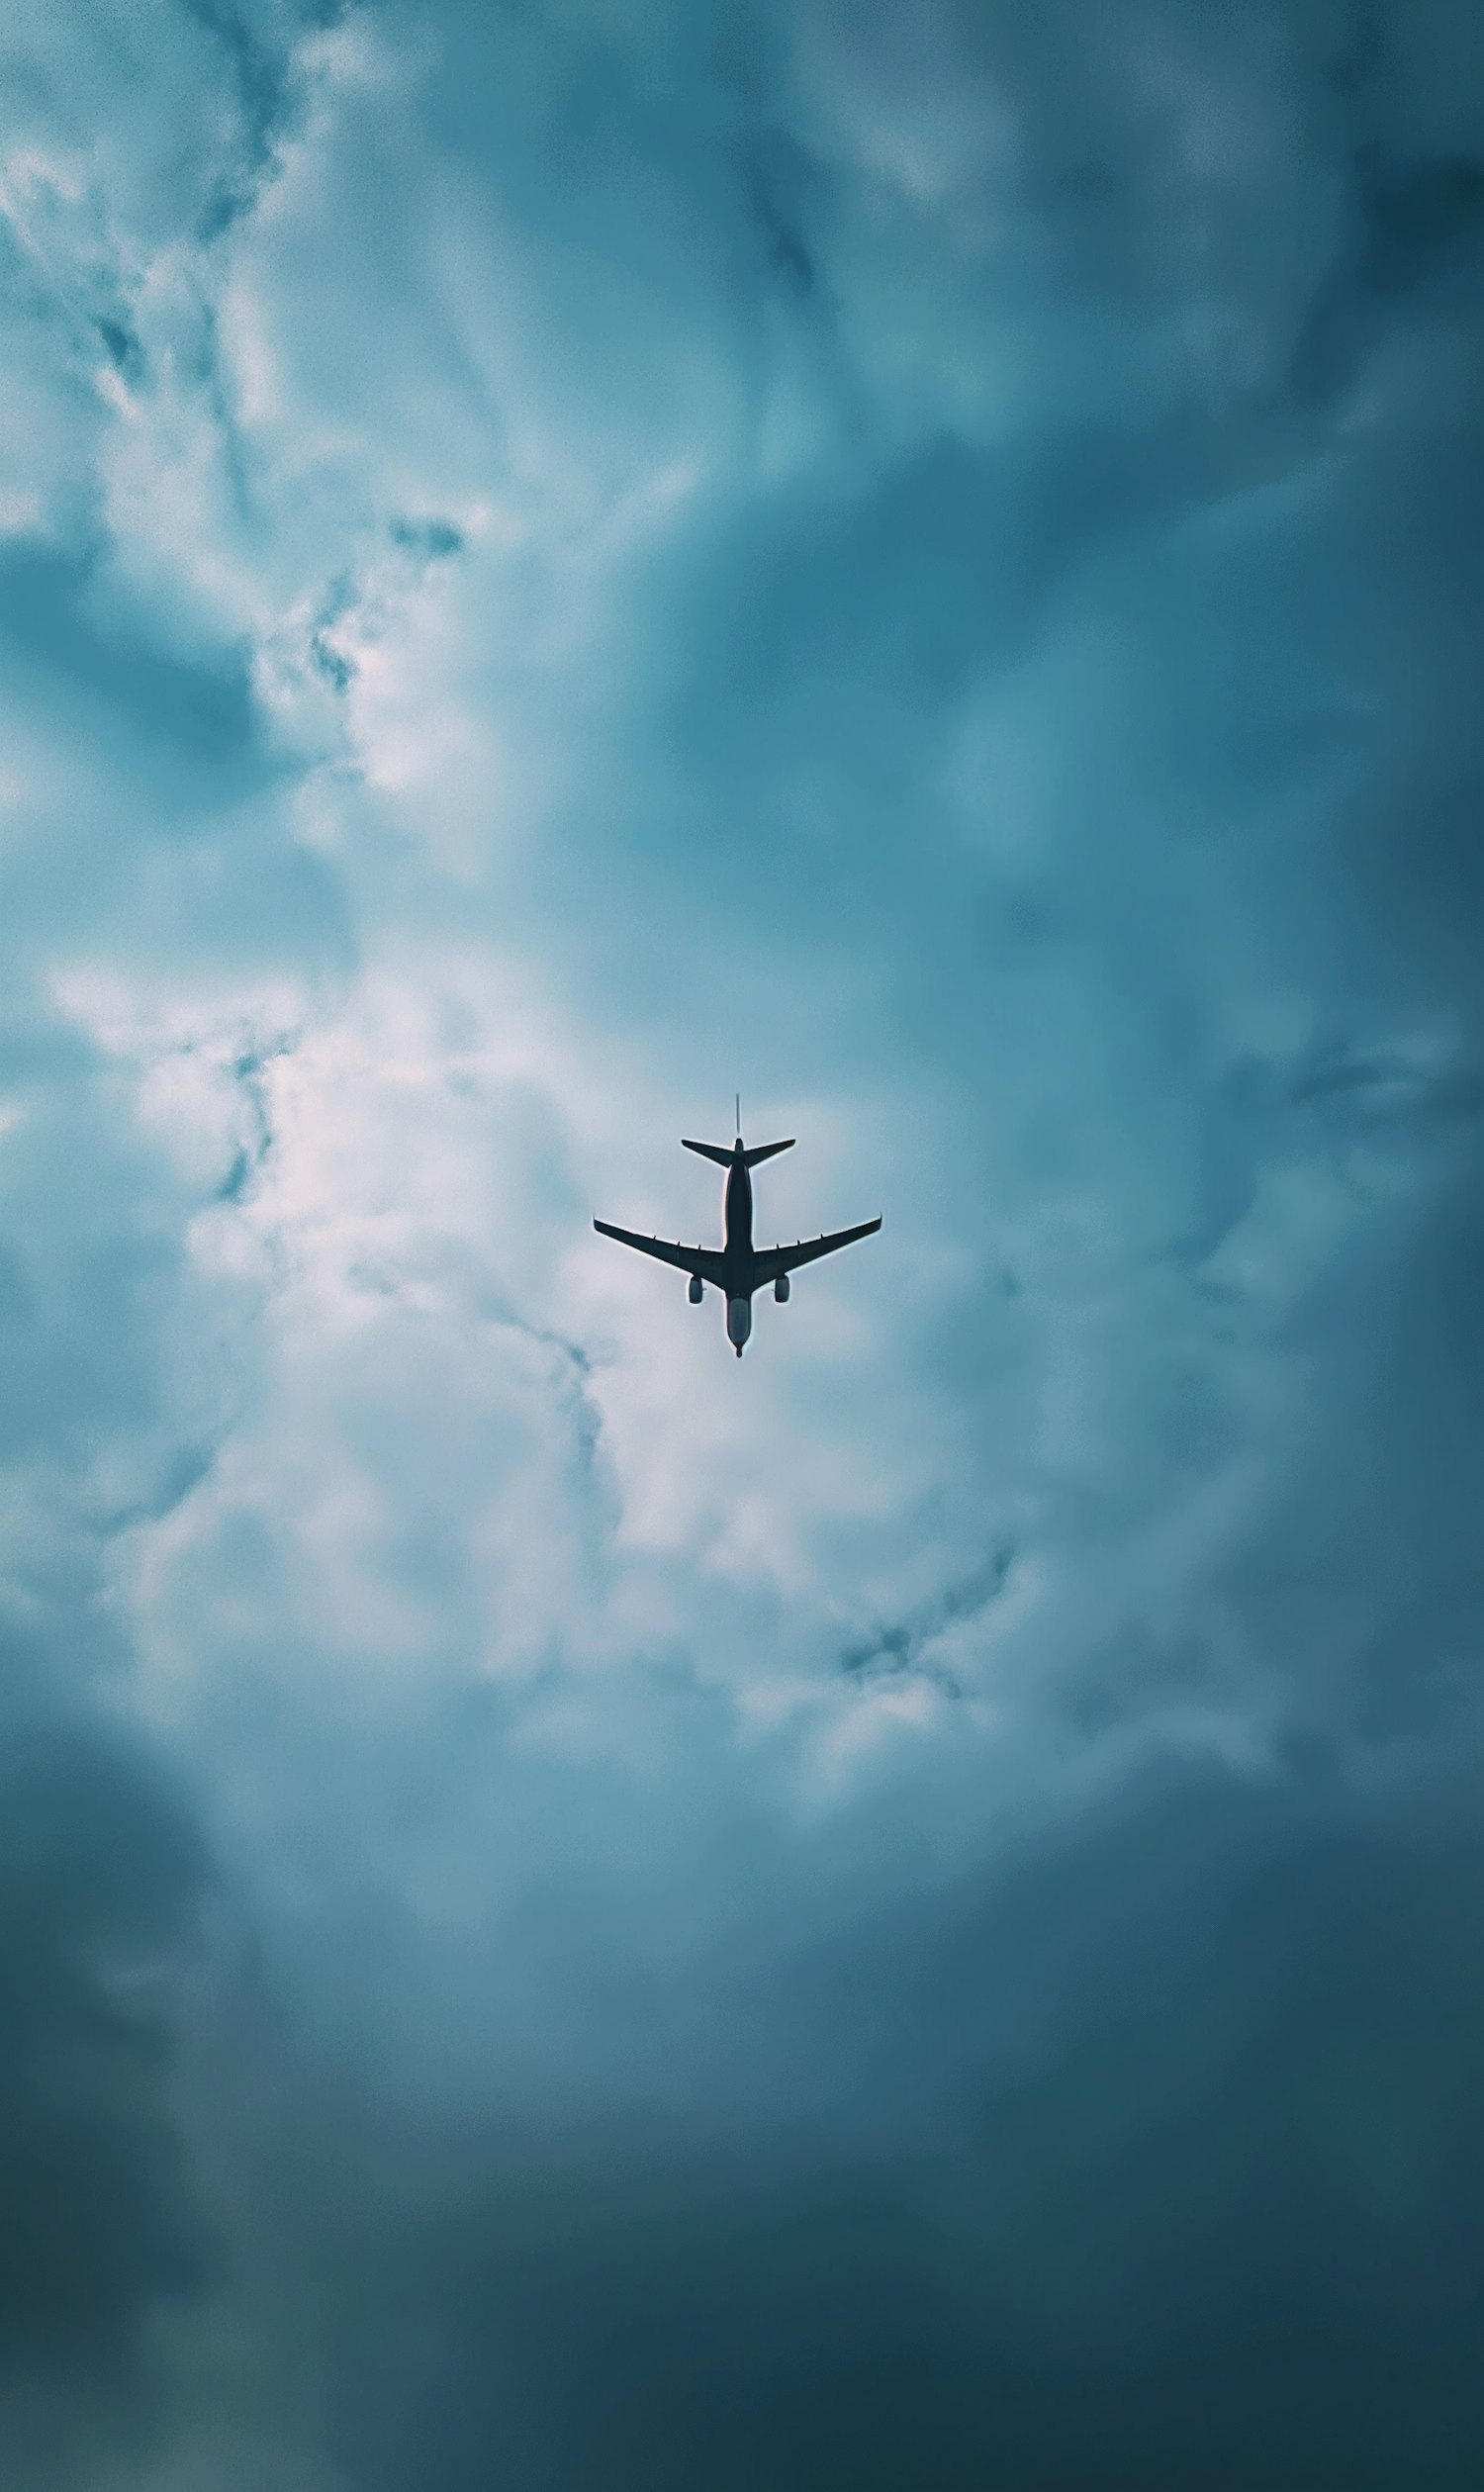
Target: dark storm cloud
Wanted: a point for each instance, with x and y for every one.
(101, 1876)
(1140, 2163)
(1413, 224)
(1028, 466)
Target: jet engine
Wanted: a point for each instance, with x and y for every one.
(780, 1289)
(696, 1290)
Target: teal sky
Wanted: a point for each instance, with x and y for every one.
(905, 1911)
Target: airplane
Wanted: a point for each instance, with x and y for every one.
(738, 1268)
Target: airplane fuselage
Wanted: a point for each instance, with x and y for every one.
(738, 1217)
(737, 1251)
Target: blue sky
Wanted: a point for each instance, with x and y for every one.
(578, 1912)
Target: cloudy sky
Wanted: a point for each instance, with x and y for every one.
(574, 1912)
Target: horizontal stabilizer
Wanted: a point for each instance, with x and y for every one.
(723, 1158)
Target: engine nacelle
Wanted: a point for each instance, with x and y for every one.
(780, 1289)
(696, 1290)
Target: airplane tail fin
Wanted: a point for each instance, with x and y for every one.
(766, 1150)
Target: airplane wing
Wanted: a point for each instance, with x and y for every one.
(782, 1258)
(707, 1261)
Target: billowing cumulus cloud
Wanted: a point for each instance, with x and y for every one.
(904, 1909)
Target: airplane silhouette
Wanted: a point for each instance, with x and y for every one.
(739, 1267)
